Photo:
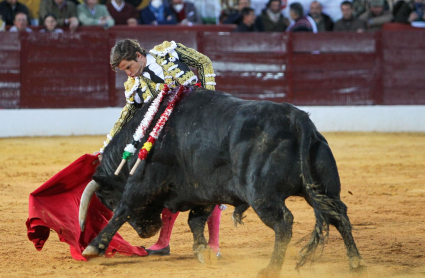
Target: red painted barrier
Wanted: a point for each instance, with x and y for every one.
(334, 69)
(10, 83)
(72, 70)
(404, 67)
(249, 66)
(64, 71)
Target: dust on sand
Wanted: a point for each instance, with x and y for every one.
(384, 172)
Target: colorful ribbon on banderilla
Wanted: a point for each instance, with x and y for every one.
(131, 148)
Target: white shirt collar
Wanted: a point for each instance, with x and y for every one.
(118, 8)
(149, 59)
(154, 67)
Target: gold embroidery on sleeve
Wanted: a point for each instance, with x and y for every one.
(201, 62)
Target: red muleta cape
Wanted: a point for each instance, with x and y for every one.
(55, 205)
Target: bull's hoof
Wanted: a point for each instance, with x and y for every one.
(91, 252)
(359, 269)
(237, 219)
(357, 265)
(268, 273)
(160, 252)
(205, 255)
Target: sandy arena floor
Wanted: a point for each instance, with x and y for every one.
(385, 173)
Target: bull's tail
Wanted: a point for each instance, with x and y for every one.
(323, 206)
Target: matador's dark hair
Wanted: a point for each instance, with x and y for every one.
(125, 50)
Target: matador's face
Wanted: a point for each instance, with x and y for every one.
(133, 68)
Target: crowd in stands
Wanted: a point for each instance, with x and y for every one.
(357, 15)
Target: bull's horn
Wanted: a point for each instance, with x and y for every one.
(91, 188)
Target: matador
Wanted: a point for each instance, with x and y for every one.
(148, 72)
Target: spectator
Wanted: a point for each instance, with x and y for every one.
(2, 25)
(418, 14)
(300, 22)
(376, 16)
(20, 23)
(271, 18)
(323, 21)
(33, 7)
(402, 10)
(65, 12)
(248, 21)
(362, 6)
(123, 13)
(348, 22)
(93, 14)
(138, 4)
(185, 12)
(10, 8)
(409, 11)
(235, 16)
(156, 13)
(50, 22)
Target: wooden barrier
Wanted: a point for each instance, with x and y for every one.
(72, 70)
(10, 82)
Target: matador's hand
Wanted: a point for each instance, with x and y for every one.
(99, 157)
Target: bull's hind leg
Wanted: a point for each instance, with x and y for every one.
(325, 175)
(342, 224)
(198, 216)
(277, 216)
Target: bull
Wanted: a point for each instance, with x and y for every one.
(218, 149)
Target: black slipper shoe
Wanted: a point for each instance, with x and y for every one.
(160, 252)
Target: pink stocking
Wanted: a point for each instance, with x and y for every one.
(168, 219)
(214, 229)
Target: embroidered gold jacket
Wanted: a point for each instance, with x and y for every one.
(173, 76)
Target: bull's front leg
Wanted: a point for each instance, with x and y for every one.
(99, 244)
(198, 216)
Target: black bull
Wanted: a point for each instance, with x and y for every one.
(218, 149)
